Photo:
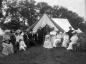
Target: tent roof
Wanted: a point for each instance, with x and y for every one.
(63, 23)
(60, 23)
(46, 20)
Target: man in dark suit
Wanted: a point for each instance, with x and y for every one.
(13, 40)
(70, 32)
(26, 39)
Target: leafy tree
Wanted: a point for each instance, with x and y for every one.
(44, 8)
(0, 3)
(16, 11)
(41, 5)
(0, 8)
(28, 11)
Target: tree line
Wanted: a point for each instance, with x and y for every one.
(30, 12)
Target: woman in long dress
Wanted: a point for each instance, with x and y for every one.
(47, 43)
(7, 47)
(53, 37)
(74, 40)
(65, 40)
(57, 40)
(19, 36)
(22, 45)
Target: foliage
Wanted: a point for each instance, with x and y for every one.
(28, 10)
(23, 10)
(82, 41)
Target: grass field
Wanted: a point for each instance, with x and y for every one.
(40, 55)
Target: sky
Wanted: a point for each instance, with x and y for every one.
(77, 6)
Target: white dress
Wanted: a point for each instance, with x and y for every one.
(47, 42)
(7, 48)
(74, 40)
(57, 40)
(18, 37)
(22, 45)
(65, 40)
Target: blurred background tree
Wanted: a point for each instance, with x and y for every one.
(27, 11)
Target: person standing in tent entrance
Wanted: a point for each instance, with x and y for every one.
(40, 37)
(47, 43)
(13, 39)
(70, 32)
(65, 40)
(74, 40)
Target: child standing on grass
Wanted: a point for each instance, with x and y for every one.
(22, 45)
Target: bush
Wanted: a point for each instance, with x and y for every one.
(82, 41)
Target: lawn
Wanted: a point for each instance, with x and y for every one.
(40, 55)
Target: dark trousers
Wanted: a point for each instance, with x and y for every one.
(16, 47)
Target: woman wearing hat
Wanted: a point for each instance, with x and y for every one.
(47, 43)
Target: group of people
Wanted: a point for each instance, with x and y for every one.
(19, 40)
(56, 38)
(15, 41)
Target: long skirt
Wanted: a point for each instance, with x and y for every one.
(22, 46)
(65, 43)
(56, 42)
(48, 44)
(7, 49)
(70, 47)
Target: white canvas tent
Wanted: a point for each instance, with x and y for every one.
(45, 20)
(58, 24)
(63, 23)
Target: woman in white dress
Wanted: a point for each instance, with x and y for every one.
(65, 40)
(7, 47)
(19, 36)
(22, 45)
(57, 40)
(20, 40)
(47, 43)
(74, 40)
(53, 37)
